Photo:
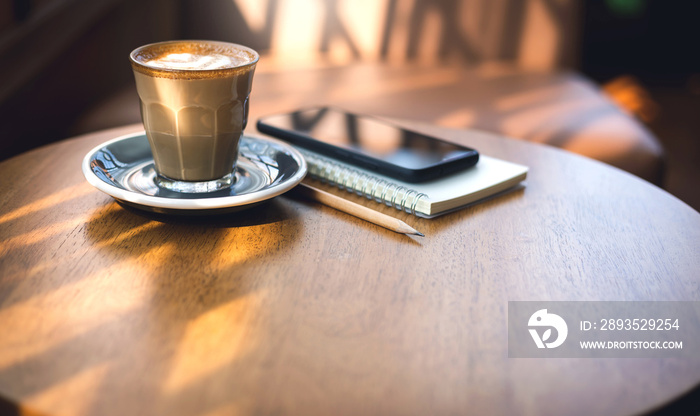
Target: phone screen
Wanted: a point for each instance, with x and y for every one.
(375, 140)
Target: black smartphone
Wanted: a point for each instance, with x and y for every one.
(370, 143)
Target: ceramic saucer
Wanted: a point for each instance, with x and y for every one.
(123, 168)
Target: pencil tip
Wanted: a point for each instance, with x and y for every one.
(420, 233)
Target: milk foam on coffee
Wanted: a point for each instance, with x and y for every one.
(194, 105)
(195, 61)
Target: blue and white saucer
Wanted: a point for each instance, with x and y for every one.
(123, 168)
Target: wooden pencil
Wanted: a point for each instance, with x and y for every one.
(357, 210)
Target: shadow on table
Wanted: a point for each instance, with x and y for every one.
(498, 201)
(265, 213)
(116, 222)
(154, 275)
(199, 244)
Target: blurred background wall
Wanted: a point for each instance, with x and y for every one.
(61, 58)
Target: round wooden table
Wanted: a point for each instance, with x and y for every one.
(295, 308)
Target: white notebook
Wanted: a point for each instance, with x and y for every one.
(426, 199)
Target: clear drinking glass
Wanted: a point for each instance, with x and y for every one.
(194, 106)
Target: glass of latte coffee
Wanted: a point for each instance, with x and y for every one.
(194, 106)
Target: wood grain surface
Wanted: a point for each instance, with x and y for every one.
(295, 308)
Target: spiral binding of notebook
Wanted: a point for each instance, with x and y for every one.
(363, 184)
